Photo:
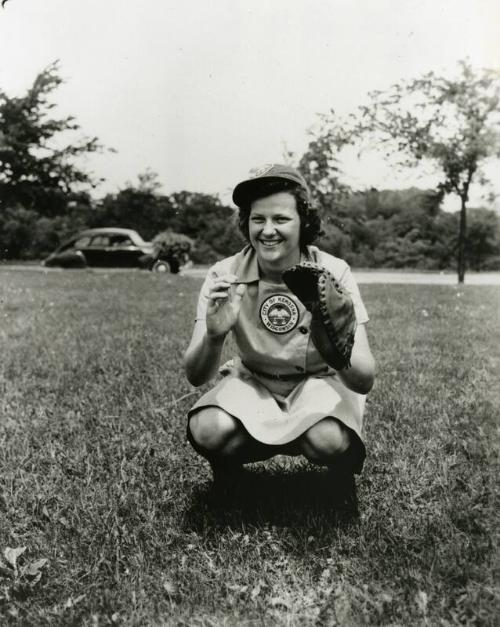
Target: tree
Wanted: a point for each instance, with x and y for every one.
(453, 123)
(483, 238)
(389, 228)
(320, 166)
(204, 218)
(36, 171)
(137, 206)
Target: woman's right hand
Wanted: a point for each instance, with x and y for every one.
(224, 304)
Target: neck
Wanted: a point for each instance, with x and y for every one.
(272, 272)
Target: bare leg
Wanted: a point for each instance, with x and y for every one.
(226, 444)
(325, 442)
(329, 443)
(222, 439)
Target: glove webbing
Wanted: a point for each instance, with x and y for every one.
(325, 316)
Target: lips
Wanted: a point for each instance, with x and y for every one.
(270, 242)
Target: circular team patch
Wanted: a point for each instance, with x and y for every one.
(279, 313)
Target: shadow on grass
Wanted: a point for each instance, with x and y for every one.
(297, 499)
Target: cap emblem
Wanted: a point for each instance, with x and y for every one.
(256, 172)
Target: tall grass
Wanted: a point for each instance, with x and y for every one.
(96, 476)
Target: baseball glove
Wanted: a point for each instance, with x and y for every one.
(333, 321)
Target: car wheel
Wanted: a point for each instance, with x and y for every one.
(160, 266)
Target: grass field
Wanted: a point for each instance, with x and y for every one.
(97, 479)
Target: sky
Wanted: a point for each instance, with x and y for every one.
(201, 91)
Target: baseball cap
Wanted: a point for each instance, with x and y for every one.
(247, 190)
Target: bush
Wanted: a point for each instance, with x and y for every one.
(16, 232)
(491, 264)
(204, 253)
(25, 234)
(174, 248)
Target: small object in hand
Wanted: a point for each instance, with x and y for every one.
(333, 322)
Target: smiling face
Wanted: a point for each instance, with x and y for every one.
(274, 231)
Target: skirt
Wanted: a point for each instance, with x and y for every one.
(277, 416)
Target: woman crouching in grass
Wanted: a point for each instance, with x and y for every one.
(278, 396)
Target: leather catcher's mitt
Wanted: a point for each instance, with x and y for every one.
(333, 318)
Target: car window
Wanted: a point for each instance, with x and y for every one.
(121, 240)
(81, 242)
(100, 241)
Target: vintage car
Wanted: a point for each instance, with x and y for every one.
(106, 248)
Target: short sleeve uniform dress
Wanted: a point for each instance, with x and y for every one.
(272, 335)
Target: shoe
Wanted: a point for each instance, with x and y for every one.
(343, 485)
(226, 477)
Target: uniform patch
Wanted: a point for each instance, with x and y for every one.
(279, 313)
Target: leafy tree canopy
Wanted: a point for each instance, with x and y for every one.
(453, 123)
(38, 171)
(137, 206)
(201, 217)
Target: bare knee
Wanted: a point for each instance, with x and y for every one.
(325, 441)
(213, 430)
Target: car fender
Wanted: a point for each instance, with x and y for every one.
(70, 259)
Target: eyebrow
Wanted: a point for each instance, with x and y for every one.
(257, 214)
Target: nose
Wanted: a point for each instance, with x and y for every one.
(268, 227)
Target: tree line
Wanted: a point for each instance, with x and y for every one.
(45, 196)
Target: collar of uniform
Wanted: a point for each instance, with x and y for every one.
(247, 269)
(312, 254)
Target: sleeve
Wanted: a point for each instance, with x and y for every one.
(348, 281)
